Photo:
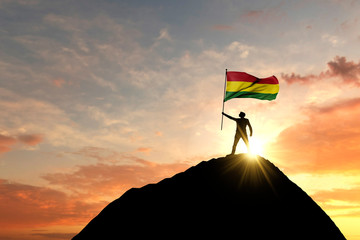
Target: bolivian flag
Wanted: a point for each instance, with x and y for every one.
(243, 85)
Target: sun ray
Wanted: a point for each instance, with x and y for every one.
(256, 146)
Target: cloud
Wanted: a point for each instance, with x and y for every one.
(7, 142)
(349, 71)
(144, 149)
(164, 34)
(340, 202)
(221, 27)
(340, 67)
(59, 82)
(29, 120)
(264, 16)
(332, 39)
(85, 192)
(23, 205)
(327, 141)
(297, 78)
(351, 195)
(158, 133)
(339, 107)
(102, 117)
(253, 14)
(31, 139)
(54, 235)
(79, 57)
(103, 155)
(107, 181)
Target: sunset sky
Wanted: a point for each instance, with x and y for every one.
(101, 96)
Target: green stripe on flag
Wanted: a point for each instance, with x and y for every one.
(261, 96)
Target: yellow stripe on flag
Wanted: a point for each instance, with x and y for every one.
(237, 86)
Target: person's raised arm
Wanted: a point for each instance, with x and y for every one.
(228, 116)
(250, 128)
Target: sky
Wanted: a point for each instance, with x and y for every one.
(97, 97)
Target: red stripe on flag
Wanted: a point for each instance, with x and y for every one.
(244, 77)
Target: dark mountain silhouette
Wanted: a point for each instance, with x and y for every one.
(234, 197)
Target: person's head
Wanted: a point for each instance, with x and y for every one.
(242, 114)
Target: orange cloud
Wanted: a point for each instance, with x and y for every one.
(350, 198)
(349, 195)
(328, 141)
(31, 139)
(144, 149)
(24, 206)
(55, 236)
(109, 180)
(347, 71)
(7, 142)
(100, 154)
(59, 82)
(158, 133)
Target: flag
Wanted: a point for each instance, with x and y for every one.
(243, 85)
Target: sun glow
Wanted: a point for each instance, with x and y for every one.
(256, 146)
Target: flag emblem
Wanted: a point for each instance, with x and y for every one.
(243, 85)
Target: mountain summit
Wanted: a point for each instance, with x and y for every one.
(238, 196)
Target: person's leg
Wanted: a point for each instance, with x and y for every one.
(236, 140)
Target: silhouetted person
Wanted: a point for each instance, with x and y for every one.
(241, 124)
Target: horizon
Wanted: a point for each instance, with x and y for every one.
(98, 97)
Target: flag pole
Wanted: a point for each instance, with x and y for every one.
(222, 116)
